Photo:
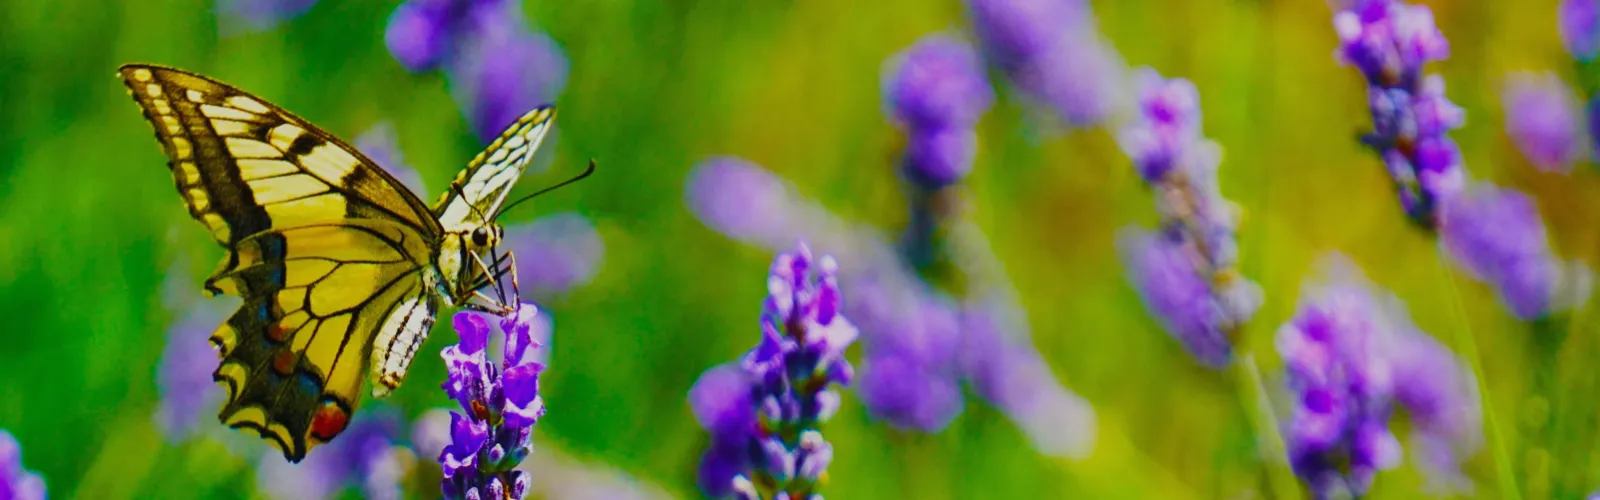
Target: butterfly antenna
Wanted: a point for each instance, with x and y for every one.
(576, 178)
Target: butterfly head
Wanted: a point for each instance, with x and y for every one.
(476, 272)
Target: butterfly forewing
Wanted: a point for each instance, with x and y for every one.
(327, 250)
(479, 190)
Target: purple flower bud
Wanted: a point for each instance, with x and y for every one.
(15, 482)
(555, 253)
(1496, 234)
(936, 84)
(1179, 295)
(417, 34)
(1580, 27)
(940, 157)
(1541, 118)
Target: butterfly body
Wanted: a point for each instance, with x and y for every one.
(341, 268)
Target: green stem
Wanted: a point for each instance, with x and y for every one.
(1270, 448)
(1469, 350)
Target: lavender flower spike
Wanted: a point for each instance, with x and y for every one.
(500, 403)
(937, 91)
(1351, 353)
(1496, 234)
(1186, 272)
(1390, 41)
(16, 482)
(1580, 27)
(1542, 120)
(1052, 52)
(765, 412)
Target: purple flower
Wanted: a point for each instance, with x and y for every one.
(764, 412)
(1351, 353)
(1163, 271)
(1338, 433)
(188, 394)
(900, 316)
(1051, 51)
(1186, 272)
(1389, 42)
(1440, 396)
(1168, 127)
(1012, 375)
(910, 373)
(15, 482)
(243, 16)
(1541, 118)
(937, 83)
(1580, 27)
(380, 144)
(500, 403)
(370, 455)
(498, 67)
(508, 73)
(937, 91)
(555, 253)
(1496, 234)
(742, 200)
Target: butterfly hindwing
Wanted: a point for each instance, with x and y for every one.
(327, 250)
(295, 354)
(480, 189)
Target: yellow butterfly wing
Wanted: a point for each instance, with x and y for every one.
(327, 250)
(481, 188)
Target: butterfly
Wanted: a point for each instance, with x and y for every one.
(342, 269)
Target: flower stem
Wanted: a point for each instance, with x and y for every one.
(1270, 449)
(1506, 480)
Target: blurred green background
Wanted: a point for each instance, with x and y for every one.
(92, 224)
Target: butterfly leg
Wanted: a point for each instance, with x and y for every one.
(490, 278)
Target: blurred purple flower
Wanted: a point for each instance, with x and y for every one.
(380, 144)
(500, 403)
(897, 313)
(1580, 27)
(1015, 378)
(1496, 234)
(555, 253)
(1338, 432)
(937, 83)
(498, 67)
(1440, 395)
(371, 455)
(1351, 353)
(1163, 271)
(740, 199)
(909, 377)
(1186, 273)
(244, 16)
(764, 413)
(1051, 51)
(1542, 120)
(1167, 128)
(1390, 41)
(17, 483)
(937, 91)
(188, 393)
